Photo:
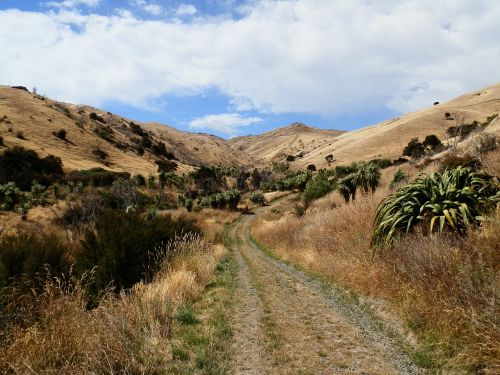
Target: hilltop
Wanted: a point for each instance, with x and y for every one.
(85, 137)
(384, 140)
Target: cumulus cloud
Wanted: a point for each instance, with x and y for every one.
(185, 10)
(226, 123)
(148, 7)
(324, 57)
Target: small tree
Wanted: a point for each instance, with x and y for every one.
(414, 149)
(329, 159)
(311, 167)
(433, 142)
(61, 134)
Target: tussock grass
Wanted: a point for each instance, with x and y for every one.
(129, 333)
(445, 289)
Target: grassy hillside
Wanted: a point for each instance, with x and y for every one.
(85, 137)
(384, 140)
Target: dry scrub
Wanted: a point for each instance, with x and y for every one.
(125, 334)
(445, 289)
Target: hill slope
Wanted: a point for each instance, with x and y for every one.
(276, 145)
(384, 140)
(95, 138)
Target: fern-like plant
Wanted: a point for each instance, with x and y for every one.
(451, 201)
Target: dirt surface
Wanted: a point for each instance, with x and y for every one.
(285, 322)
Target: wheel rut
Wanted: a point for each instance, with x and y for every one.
(285, 322)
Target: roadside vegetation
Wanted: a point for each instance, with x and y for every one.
(418, 242)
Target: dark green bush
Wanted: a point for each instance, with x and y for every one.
(228, 199)
(414, 149)
(433, 142)
(10, 196)
(258, 198)
(95, 177)
(316, 188)
(61, 134)
(122, 246)
(95, 117)
(381, 163)
(23, 166)
(311, 167)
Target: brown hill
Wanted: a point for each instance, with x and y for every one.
(296, 139)
(94, 138)
(384, 140)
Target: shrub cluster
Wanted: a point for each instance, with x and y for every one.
(316, 188)
(258, 198)
(23, 166)
(95, 177)
(229, 199)
(122, 246)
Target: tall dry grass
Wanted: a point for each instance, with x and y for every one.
(128, 333)
(445, 289)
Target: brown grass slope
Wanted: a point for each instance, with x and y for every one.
(384, 140)
(30, 121)
(293, 140)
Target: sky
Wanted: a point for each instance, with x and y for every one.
(237, 67)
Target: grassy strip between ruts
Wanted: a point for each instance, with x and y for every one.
(201, 338)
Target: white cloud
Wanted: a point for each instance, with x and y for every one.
(226, 123)
(148, 7)
(185, 10)
(318, 56)
(72, 3)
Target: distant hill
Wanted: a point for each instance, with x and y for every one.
(94, 138)
(85, 137)
(297, 140)
(384, 140)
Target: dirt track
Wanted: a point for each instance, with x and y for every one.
(284, 322)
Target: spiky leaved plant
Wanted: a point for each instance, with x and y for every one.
(398, 179)
(363, 175)
(451, 200)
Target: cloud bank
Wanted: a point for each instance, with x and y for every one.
(226, 123)
(326, 57)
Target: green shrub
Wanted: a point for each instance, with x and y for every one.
(448, 201)
(95, 177)
(229, 199)
(10, 196)
(414, 149)
(433, 142)
(23, 166)
(316, 188)
(122, 245)
(381, 163)
(258, 198)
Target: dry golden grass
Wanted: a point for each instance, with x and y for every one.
(384, 140)
(125, 334)
(446, 290)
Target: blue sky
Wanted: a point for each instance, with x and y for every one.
(235, 67)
